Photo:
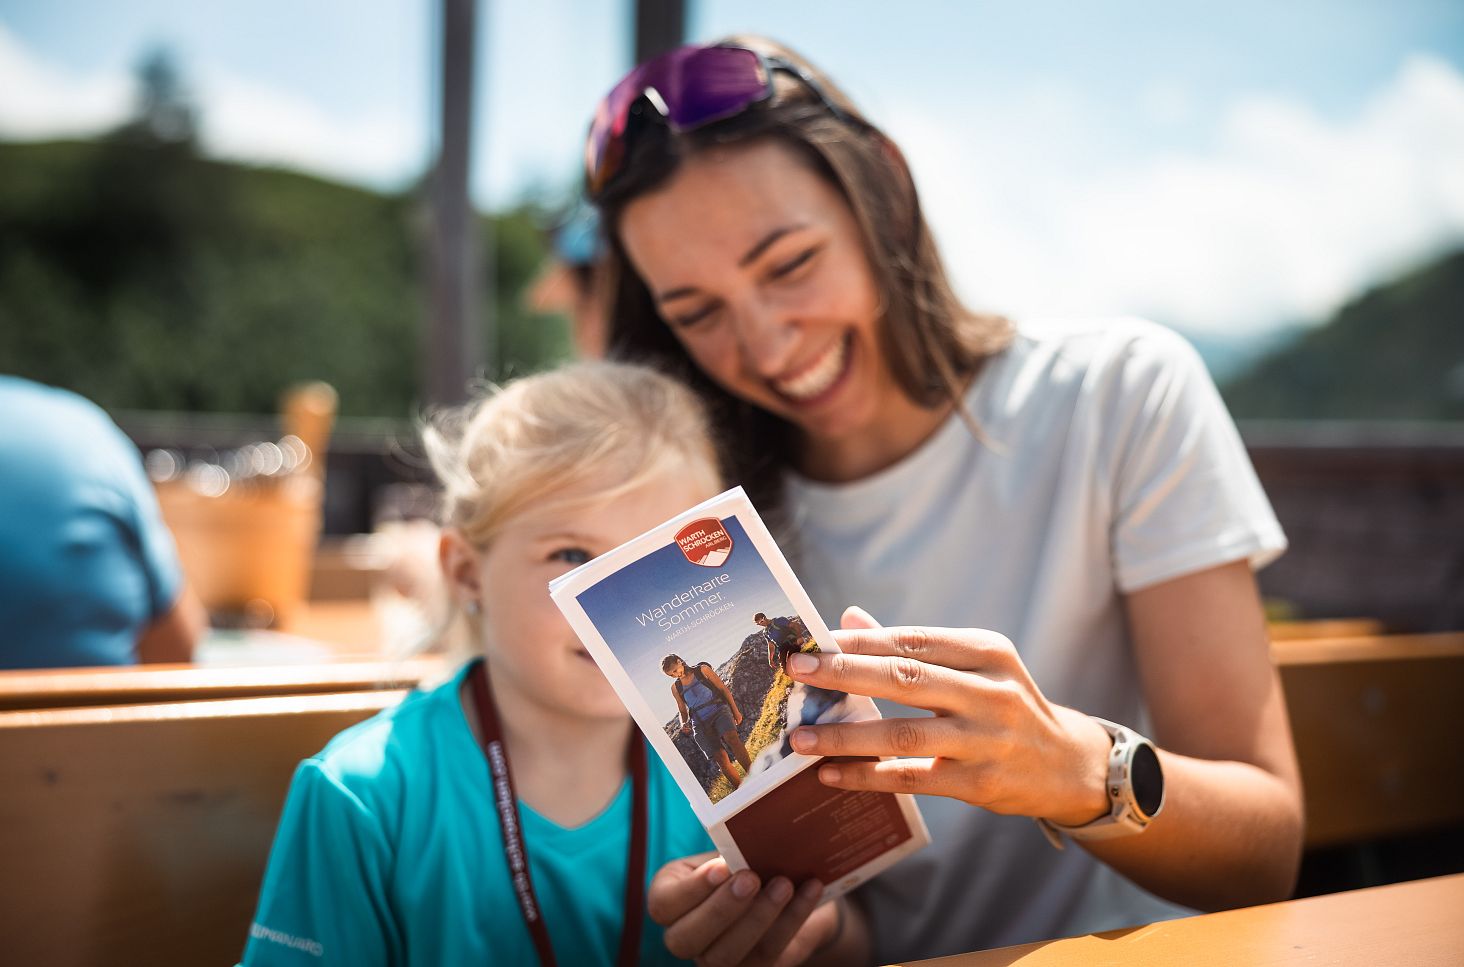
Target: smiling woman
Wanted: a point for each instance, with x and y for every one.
(1060, 510)
(808, 224)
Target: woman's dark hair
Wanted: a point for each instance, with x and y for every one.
(670, 662)
(932, 343)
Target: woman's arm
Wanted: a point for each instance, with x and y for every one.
(1230, 831)
(681, 706)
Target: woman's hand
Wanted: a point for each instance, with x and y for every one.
(685, 728)
(736, 715)
(994, 740)
(713, 917)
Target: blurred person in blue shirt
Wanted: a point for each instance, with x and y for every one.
(89, 574)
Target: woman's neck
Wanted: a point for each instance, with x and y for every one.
(901, 427)
(900, 431)
(566, 768)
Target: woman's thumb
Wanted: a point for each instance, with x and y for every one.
(855, 618)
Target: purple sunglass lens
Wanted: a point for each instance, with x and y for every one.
(699, 85)
(696, 85)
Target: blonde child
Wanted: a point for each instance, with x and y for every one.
(400, 842)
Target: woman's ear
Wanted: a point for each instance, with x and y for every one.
(461, 565)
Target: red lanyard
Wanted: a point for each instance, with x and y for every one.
(516, 852)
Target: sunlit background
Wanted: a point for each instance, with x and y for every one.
(202, 204)
(1235, 171)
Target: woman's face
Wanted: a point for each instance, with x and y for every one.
(676, 671)
(757, 264)
(530, 646)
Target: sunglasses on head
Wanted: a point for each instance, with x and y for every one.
(685, 89)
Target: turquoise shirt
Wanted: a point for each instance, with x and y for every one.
(389, 852)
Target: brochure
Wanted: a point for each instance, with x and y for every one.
(690, 623)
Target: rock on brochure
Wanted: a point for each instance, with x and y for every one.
(690, 622)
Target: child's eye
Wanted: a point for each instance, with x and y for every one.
(574, 556)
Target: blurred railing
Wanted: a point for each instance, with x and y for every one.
(365, 461)
(1375, 516)
(1374, 511)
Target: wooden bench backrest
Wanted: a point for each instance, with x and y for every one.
(1325, 628)
(140, 834)
(1379, 730)
(156, 684)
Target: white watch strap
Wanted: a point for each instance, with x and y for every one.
(1122, 818)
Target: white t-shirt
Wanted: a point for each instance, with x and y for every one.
(1111, 465)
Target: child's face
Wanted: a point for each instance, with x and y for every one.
(530, 645)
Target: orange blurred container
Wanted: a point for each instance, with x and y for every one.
(247, 553)
(247, 550)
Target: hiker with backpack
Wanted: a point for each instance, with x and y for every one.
(709, 713)
(785, 637)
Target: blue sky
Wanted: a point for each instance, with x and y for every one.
(615, 603)
(1221, 167)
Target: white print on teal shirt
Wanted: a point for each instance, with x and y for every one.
(312, 947)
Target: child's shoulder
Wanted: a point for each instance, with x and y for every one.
(379, 754)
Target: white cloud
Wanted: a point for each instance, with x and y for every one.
(240, 119)
(38, 101)
(251, 122)
(1286, 217)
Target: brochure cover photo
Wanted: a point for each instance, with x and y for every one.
(691, 623)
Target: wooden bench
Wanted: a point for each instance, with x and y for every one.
(139, 834)
(1324, 628)
(154, 684)
(1379, 729)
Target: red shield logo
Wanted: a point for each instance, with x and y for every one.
(705, 542)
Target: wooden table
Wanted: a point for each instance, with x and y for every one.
(1419, 924)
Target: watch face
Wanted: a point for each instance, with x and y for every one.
(1147, 779)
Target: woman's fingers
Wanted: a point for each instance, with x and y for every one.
(905, 680)
(928, 777)
(940, 736)
(855, 617)
(964, 649)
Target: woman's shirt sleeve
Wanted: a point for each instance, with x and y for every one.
(324, 899)
(1185, 496)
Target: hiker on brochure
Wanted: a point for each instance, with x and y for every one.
(786, 636)
(709, 713)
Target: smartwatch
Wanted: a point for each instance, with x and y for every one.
(1135, 790)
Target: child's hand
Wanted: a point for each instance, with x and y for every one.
(710, 916)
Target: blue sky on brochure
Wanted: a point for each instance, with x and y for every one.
(1219, 167)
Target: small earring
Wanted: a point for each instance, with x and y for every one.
(471, 607)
